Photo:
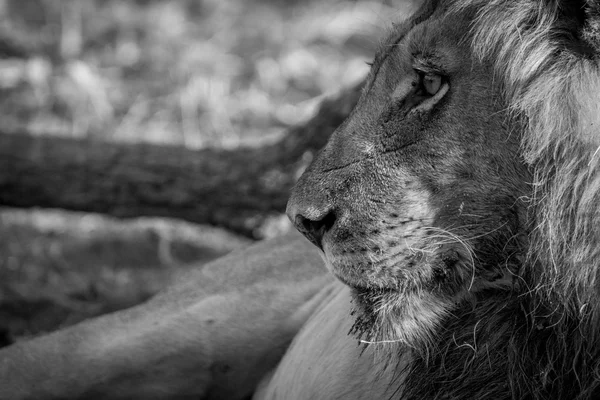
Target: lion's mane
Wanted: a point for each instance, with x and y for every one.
(542, 340)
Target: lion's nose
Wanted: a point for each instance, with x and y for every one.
(313, 224)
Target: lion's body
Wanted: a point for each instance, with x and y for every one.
(458, 206)
(325, 363)
(213, 335)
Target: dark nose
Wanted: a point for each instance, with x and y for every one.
(313, 226)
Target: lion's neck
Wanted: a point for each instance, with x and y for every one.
(506, 346)
(471, 356)
(499, 346)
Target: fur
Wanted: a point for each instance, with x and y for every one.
(542, 341)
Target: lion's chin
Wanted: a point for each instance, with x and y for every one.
(406, 317)
(396, 305)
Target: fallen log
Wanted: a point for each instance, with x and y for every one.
(244, 190)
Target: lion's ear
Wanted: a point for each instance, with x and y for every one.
(579, 21)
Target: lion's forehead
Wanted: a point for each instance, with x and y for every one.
(425, 34)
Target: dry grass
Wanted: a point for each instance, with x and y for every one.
(199, 73)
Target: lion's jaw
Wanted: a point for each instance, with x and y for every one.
(410, 200)
(399, 271)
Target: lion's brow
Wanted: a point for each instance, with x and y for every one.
(400, 30)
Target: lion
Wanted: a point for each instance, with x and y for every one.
(212, 335)
(456, 212)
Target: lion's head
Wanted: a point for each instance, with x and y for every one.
(418, 198)
(471, 167)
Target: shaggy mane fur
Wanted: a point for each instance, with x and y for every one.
(541, 341)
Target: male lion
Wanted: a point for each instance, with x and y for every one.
(458, 209)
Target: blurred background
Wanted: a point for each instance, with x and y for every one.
(218, 82)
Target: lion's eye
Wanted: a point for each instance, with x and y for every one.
(422, 90)
(431, 83)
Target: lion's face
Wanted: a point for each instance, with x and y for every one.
(416, 201)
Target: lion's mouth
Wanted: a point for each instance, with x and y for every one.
(392, 301)
(359, 281)
(369, 293)
(413, 273)
(351, 282)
